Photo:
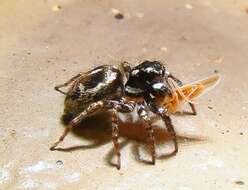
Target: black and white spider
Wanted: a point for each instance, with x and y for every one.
(103, 88)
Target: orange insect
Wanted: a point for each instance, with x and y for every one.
(187, 93)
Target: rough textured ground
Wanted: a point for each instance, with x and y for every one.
(43, 43)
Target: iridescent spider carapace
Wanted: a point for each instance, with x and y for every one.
(148, 87)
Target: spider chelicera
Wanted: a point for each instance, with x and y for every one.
(103, 88)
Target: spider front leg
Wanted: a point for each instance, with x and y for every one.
(167, 120)
(171, 130)
(91, 109)
(179, 82)
(144, 116)
(66, 83)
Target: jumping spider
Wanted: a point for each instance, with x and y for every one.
(103, 88)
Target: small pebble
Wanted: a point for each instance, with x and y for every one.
(115, 11)
(56, 8)
(210, 107)
(59, 162)
(119, 16)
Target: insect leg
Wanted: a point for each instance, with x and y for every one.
(66, 83)
(144, 116)
(180, 83)
(91, 109)
(192, 106)
(115, 136)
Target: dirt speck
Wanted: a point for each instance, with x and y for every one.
(56, 8)
(119, 16)
(216, 71)
(239, 182)
(210, 107)
(241, 133)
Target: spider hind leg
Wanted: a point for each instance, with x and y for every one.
(57, 88)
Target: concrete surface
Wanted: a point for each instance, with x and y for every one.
(44, 43)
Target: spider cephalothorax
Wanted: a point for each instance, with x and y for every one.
(145, 78)
(103, 88)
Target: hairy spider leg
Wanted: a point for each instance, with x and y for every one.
(116, 106)
(150, 129)
(163, 113)
(115, 136)
(171, 130)
(89, 110)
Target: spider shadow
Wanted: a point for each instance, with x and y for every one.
(136, 134)
(97, 129)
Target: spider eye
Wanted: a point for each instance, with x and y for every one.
(160, 88)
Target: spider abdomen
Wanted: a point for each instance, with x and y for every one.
(102, 83)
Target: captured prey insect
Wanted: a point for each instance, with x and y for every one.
(187, 93)
(149, 87)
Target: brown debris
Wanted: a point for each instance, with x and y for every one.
(239, 182)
